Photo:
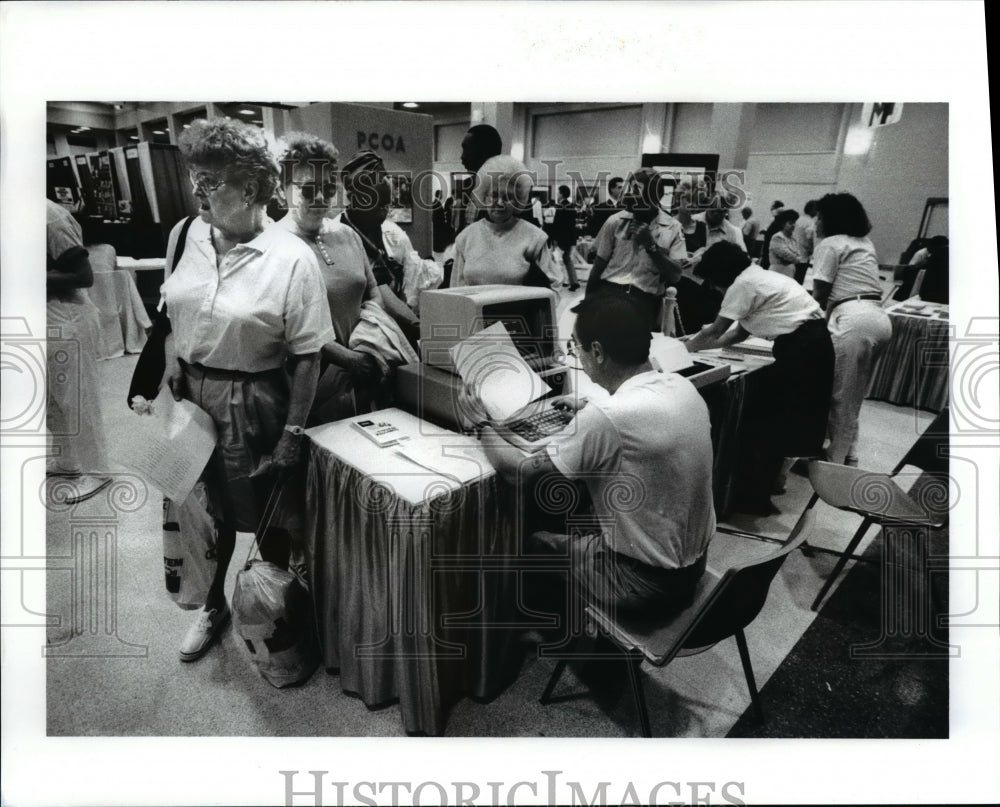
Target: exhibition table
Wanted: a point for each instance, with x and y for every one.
(122, 315)
(913, 370)
(409, 568)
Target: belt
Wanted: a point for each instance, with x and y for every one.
(876, 297)
(629, 288)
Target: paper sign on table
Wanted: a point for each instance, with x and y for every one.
(491, 366)
(170, 447)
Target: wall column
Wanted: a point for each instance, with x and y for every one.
(731, 131)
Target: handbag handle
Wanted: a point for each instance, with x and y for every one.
(265, 519)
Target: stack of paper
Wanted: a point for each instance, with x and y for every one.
(493, 370)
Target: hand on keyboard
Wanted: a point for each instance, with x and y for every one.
(568, 403)
(541, 424)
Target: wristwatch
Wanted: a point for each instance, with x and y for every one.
(298, 431)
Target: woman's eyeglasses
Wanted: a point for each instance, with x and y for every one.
(204, 184)
(308, 190)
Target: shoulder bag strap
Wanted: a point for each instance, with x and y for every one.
(181, 242)
(369, 244)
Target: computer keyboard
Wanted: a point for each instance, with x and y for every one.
(540, 425)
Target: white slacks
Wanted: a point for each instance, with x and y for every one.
(860, 331)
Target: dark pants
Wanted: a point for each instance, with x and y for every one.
(788, 417)
(648, 305)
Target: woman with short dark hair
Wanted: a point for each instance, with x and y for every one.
(789, 418)
(847, 285)
(309, 172)
(783, 252)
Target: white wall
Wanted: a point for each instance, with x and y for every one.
(906, 163)
(692, 129)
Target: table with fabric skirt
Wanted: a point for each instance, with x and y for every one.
(726, 401)
(913, 370)
(123, 317)
(409, 568)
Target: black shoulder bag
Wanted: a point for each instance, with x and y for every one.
(152, 362)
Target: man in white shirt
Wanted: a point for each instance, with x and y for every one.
(645, 457)
(719, 229)
(639, 251)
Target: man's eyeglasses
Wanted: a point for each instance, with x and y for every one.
(204, 184)
(571, 347)
(308, 190)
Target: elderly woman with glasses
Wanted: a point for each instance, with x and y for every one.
(503, 248)
(249, 317)
(309, 174)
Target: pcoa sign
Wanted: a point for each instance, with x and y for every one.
(386, 142)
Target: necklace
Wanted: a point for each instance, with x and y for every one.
(318, 240)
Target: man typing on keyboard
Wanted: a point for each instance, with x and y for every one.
(645, 456)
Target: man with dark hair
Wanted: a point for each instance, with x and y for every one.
(751, 229)
(719, 228)
(639, 250)
(564, 234)
(804, 236)
(645, 456)
(605, 210)
(776, 207)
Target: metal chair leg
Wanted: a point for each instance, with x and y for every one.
(632, 662)
(557, 672)
(553, 680)
(741, 643)
(806, 549)
(842, 562)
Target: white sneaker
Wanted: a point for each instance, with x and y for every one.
(204, 630)
(85, 486)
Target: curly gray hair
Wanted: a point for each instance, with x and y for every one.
(234, 147)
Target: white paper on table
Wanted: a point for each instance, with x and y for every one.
(170, 447)
(668, 354)
(458, 462)
(491, 366)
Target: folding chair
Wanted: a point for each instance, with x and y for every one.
(723, 606)
(876, 496)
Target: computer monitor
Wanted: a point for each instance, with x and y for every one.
(447, 316)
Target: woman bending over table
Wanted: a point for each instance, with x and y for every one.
(789, 419)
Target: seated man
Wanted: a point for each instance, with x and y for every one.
(645, 456)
